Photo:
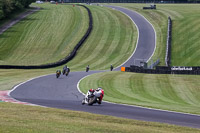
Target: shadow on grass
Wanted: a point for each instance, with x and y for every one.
(3, 36)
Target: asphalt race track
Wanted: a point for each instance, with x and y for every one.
(146, 40)
(63, 93)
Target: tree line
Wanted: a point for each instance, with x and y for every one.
(9, 6)
(130, 1)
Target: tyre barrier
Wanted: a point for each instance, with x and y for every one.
(62, 61)
(168, 47)
(165, 70)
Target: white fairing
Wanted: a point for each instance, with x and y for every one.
(96, 93)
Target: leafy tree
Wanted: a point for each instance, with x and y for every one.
(8, 6)
(1, 9)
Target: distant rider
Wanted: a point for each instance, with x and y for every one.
(64, 69)
(111, 67)
(87, 68)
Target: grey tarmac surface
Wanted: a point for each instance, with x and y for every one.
(63, 93)
(146, 41)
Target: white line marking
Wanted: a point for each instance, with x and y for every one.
(138, 30)
(24, 83)
(125, 62)
(136, 42)
(103, 101)
(135, 105)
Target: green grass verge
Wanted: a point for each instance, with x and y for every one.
(170, 92)
(29, 119)
(45, 36)
(185, 33)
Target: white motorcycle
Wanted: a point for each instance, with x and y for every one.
(91, 97)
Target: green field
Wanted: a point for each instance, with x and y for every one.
(185, 33)
(16, 118)
(112, 41)
(50, 34)
(43, 37)
(170, 92)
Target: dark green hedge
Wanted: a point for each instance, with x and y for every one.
(9, 6)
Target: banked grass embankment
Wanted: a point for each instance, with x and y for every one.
(110, 28)
(170, 92)
(112, 40)
(185, 33)
(46, 37)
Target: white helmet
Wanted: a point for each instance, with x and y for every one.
(99, 88)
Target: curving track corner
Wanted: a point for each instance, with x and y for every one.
(63, 93)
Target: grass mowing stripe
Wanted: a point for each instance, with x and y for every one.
(49, 120)
(186, 51)
(96, 43)
(169, 92)
(184, 16)
(110, 42)
(45, 30)
(110, 39)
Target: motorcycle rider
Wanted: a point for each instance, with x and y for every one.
(87, 68)
(100, 91)
(58, 72)
(64, 69)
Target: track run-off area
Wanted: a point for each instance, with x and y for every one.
(64, 93)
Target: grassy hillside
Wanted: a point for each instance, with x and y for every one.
(112, 40)
(27, 119)
(98, 53)
(185, 34)
(170, 92)
(45, 36)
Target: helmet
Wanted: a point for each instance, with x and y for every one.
(91, 90)
(98, 89)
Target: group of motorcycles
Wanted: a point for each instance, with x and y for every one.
(92, 97)
(65, 71)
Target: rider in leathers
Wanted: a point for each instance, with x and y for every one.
(98, 90)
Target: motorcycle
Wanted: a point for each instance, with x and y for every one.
(91, 98)
(58, 72)
(64, 71)
(67, 72)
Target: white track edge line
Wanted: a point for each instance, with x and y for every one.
(90, 75)
(151, 26)
(127, 60)
(15, 87)
(137, 105)
(137, 38)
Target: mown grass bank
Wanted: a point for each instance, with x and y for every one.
(45, 36)
(170, 92)
(112, 40)
(185, 33)
(20, 118)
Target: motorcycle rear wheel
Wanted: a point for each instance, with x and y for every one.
(92, 100)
